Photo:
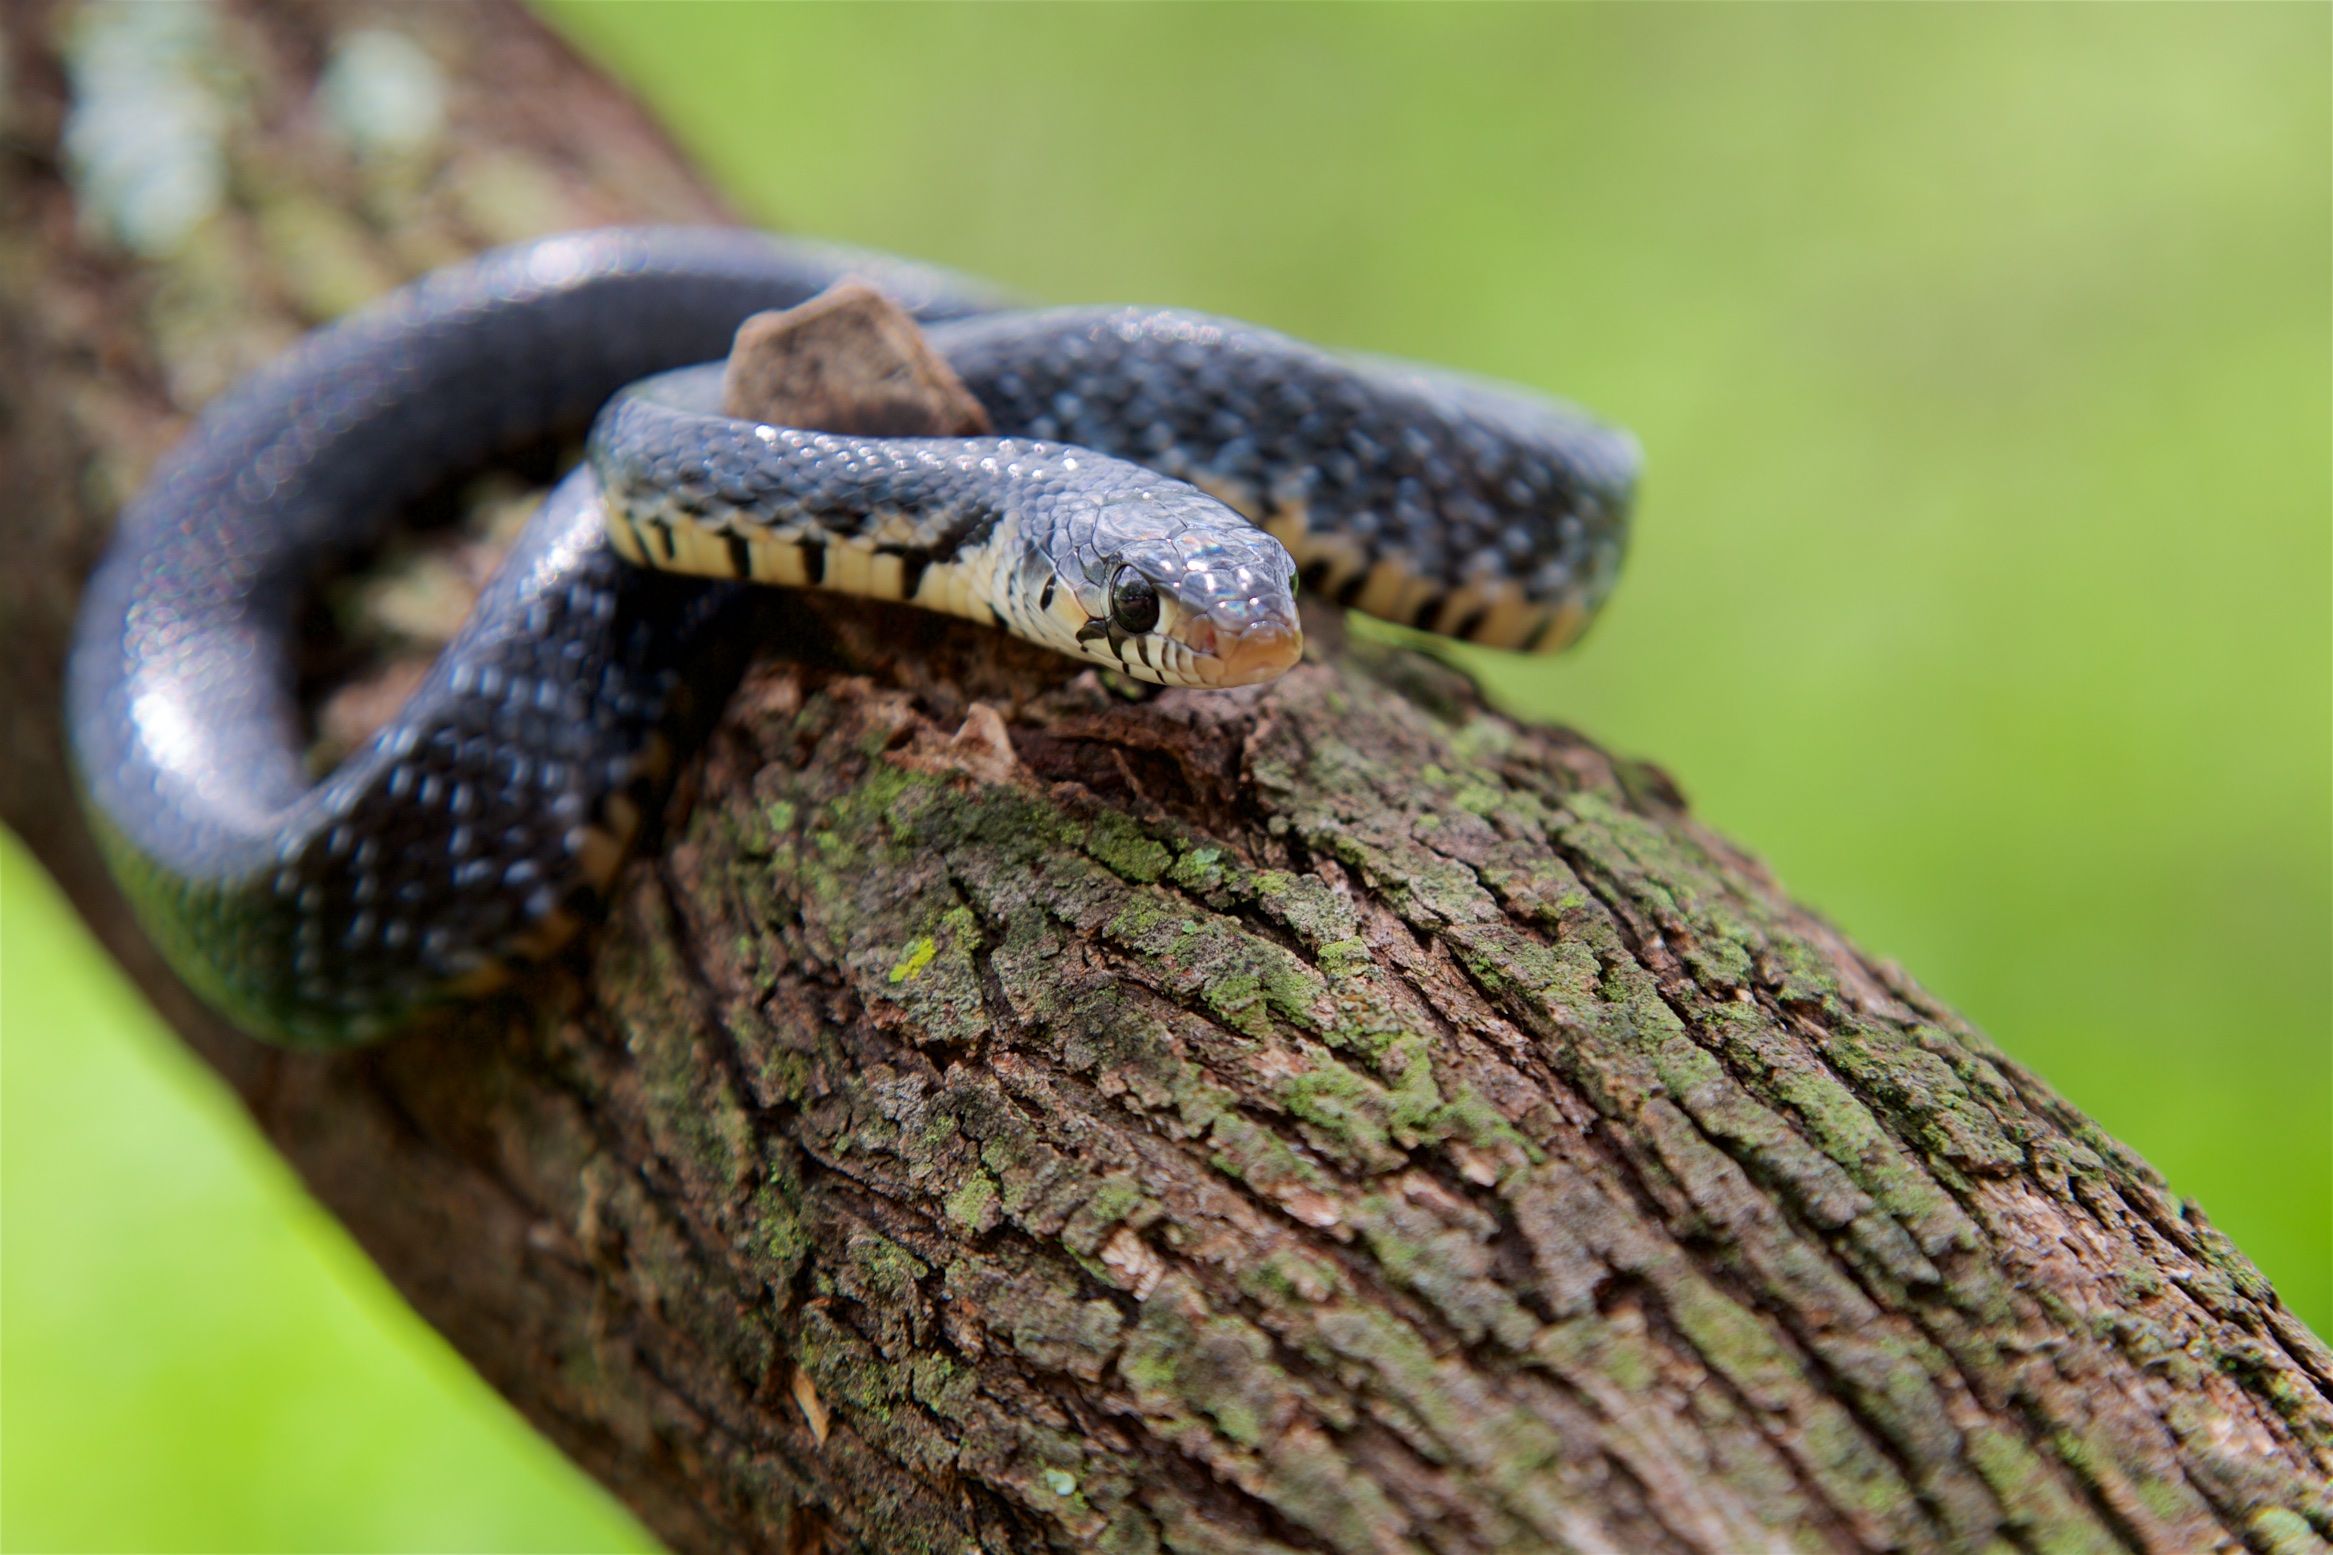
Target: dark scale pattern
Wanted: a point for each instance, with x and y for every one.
(1464, 479)
(470, 822)
(257, 883)
(483, 814)
(1021, 518)
(492, 808)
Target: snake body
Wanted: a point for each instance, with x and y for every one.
(1158, 481)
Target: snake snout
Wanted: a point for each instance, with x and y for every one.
(1263, 650)
(1243, 640)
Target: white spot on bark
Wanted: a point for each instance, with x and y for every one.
(383, 93)
(142, 140)
(1135, 1263)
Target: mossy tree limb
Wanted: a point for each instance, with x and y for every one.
(1008, 1112)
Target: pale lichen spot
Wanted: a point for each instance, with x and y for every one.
(1139, 1268)
(143, 140)
(383, 94)
(919, 955)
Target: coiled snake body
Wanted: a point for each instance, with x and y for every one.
(1159, 481)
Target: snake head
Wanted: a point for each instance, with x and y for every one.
(1207, 603)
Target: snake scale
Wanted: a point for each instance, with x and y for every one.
(1159, 482)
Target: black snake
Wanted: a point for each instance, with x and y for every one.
(1160, 481)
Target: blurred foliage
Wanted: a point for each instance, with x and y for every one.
(195, 1356)
(1982, 583)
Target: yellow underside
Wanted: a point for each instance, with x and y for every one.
(855, 565)
(1389, 587)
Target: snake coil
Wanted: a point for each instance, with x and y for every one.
(1160, 482)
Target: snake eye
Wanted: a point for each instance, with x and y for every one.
(1133, 602)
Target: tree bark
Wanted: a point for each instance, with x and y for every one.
(1010, 1111)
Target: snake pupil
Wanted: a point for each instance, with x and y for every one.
(1133, 602)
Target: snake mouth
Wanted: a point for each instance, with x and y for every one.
(1262, 651)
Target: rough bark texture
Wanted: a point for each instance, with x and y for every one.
(1008, 1112)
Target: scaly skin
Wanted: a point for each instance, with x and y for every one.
(482, 821)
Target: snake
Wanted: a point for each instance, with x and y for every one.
(1157, 487)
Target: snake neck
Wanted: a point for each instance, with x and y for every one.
(1027, 535)
(949, 567)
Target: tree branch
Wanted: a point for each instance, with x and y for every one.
(1006, 1111)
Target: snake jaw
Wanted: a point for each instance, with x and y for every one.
(1192, 650)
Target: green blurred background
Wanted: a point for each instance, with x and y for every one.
(1980, 356)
